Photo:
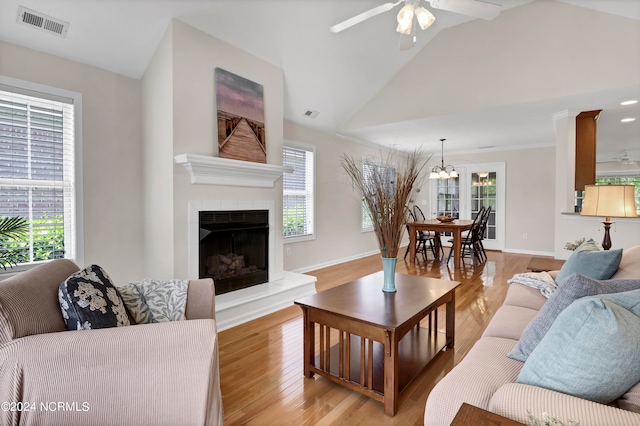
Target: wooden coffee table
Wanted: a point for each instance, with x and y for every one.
(541, 264)
(470, 415)
(371, 341)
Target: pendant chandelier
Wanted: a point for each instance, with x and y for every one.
(442, 171)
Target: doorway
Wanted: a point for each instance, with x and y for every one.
(478, 185)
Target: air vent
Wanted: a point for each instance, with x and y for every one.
(43, 22)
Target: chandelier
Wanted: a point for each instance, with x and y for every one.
(442, 171)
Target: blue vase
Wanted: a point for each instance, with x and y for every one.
(389, 268)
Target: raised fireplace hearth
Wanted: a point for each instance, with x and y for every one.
(233, 248)
(239, 306)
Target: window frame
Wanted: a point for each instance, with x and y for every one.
(45, 92)
(312, 235)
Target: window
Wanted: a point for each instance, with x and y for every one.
(484, 194)
(37, 172)
(627, 179)
(298, 191)
(623, 180)
(375, 171)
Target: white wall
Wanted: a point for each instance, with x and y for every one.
(338, 207)
(569, 226)
(530, 183)
(157, 121)
(542, 50)
(529, 195)
(186, 62)
(111, 150)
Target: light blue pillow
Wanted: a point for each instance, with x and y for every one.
(592, 350)
(569, 290)
(589, 260)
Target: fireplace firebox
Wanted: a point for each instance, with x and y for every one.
(233, 248)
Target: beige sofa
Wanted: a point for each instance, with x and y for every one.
(148, 374)
(486, 377)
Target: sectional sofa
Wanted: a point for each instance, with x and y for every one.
(488, 378)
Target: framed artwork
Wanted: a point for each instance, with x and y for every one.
(240, 109)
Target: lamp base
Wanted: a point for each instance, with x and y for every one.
(606, 242)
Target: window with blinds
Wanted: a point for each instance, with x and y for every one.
(298, 192)
(383, 174)
(37, 174)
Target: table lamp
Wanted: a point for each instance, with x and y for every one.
(609, 201)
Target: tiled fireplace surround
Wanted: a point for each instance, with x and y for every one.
(283, 288)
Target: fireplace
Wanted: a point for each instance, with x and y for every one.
(239, 306)
(233, 248)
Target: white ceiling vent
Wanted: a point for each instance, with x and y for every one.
(41, 21)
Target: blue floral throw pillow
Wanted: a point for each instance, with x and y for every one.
(89, 300)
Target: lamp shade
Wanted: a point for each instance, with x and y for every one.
(609, 201)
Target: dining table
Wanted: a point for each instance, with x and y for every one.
(456, 227)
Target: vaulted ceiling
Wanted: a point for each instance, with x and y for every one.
(480, 84)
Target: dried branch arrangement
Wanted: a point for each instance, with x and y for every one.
(386, 185)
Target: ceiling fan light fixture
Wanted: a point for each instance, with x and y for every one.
(405, 19)
(425, 18)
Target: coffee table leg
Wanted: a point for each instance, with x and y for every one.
(391, 378)
(309, 343)
(451, 320)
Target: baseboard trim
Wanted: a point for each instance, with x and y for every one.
(531, 252)
(335, 262)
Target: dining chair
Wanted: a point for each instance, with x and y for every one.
(482, 233)
(434, 238)
(421, 237)
(470, 241)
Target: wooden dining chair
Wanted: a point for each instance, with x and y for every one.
(433, 237)
(482, 232)
(421, 237)
(470, 241)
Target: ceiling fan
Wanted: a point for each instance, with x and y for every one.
(424, 18)
(625, 159)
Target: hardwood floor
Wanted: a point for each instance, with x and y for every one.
(261, 368)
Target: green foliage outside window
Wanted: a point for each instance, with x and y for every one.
(47, 238)
(293, 224)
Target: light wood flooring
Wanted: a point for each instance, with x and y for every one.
(261, 368)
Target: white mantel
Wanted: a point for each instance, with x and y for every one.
(223, 171)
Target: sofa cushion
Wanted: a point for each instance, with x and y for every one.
(89, 300)
(589, 260)
(29, 303)
(525, 296)
(509, 322)
(474, 380)
(569, 290)
(629, 267)
(591, 351)
(630, 400)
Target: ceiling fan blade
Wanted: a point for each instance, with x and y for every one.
(363, 16)
(477, 9)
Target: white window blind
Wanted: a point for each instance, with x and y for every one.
(298, 192)
(37, 173)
